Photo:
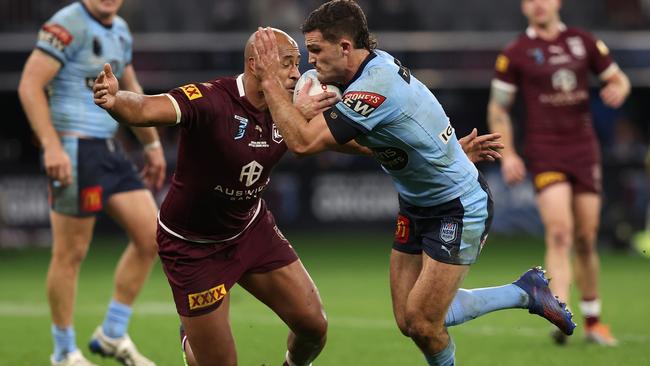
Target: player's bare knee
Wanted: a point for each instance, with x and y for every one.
(560, 236)
(312, 328)
(421, 328)
(585, 243)
(403, 327)
(71, 256)
(146, 246)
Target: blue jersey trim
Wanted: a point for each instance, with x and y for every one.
(51, 54)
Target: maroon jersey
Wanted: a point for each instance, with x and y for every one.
(554, 80)
(226, 152)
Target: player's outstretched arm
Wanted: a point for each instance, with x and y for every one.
(131, 108)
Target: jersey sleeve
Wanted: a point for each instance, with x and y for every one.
(363, 106)
(193, 104)
(62, 35)
(601, 62)
(506, 75)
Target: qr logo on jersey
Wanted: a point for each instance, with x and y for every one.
(250, 173)
(206, 298)
(448, 231)
(191, 91)
(276, 135)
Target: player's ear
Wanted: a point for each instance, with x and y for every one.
(346, 46)
(250, 65)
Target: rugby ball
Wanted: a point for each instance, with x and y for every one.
(316, 86)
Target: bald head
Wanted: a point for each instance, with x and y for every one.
(285, 43)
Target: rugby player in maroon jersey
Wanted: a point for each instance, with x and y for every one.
(550, 64)
(214, 229)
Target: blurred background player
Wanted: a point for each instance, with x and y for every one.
(214, 229)
(551, 64)
(88, 171)
(445, 205)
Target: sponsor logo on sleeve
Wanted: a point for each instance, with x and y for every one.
(402, 229)
(543, 180)
(446, 134)
(206, 298)
(56, 35)
(362, 102)
(502, 63)
(91, 199)
(191, 91)
(602, 48)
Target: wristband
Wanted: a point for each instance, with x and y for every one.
(152, 145)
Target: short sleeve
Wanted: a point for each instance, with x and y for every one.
(506, 75)
(363, 106)
(601, 62)
(62, 35)
(192, 103)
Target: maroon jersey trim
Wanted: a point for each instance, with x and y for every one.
(210, 241)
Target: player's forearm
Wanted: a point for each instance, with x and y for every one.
(290, 121)
(499, 122)
(622, 81)
(35, 105)
(353, 148)
(148, 136)
(139, 110)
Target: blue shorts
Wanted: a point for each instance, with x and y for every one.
(453, 232)
(99, 170)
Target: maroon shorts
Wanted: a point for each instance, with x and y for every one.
(580, 167)
(201, 275)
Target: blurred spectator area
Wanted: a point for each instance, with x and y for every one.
(449, 45)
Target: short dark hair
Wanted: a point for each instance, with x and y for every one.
(337, 18)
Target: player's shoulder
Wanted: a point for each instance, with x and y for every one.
(71, 17)
(381, 73)
(521, 42)
(121, 26)
(577, 31)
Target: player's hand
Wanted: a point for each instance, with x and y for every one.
(265, 53)
(105, 88)
(57, 165)
(312, 105)
(613, 95)
(513, 169)
(155, 167)
(481, 148)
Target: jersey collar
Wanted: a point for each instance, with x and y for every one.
(365, 62)
(530, 31)
(109, 26)
(240, 85)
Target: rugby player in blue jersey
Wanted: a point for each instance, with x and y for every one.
(445, 205)
(88, 171)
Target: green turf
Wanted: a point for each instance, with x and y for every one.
(351, 271)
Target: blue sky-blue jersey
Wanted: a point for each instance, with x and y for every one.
(407, 129)
(82, 45)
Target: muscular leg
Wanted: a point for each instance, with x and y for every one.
(71, 236)
(135, 211)
(71, 239)
(291, 293)
(587, 216)
(404, 271)
(423, 314)
(555, 207)
(210, 336)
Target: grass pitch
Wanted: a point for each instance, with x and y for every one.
(351, 271)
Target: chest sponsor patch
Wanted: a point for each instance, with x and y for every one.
(202, 299)
(362, 102)
(56, 35)
(191, 91)
(391, 158)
